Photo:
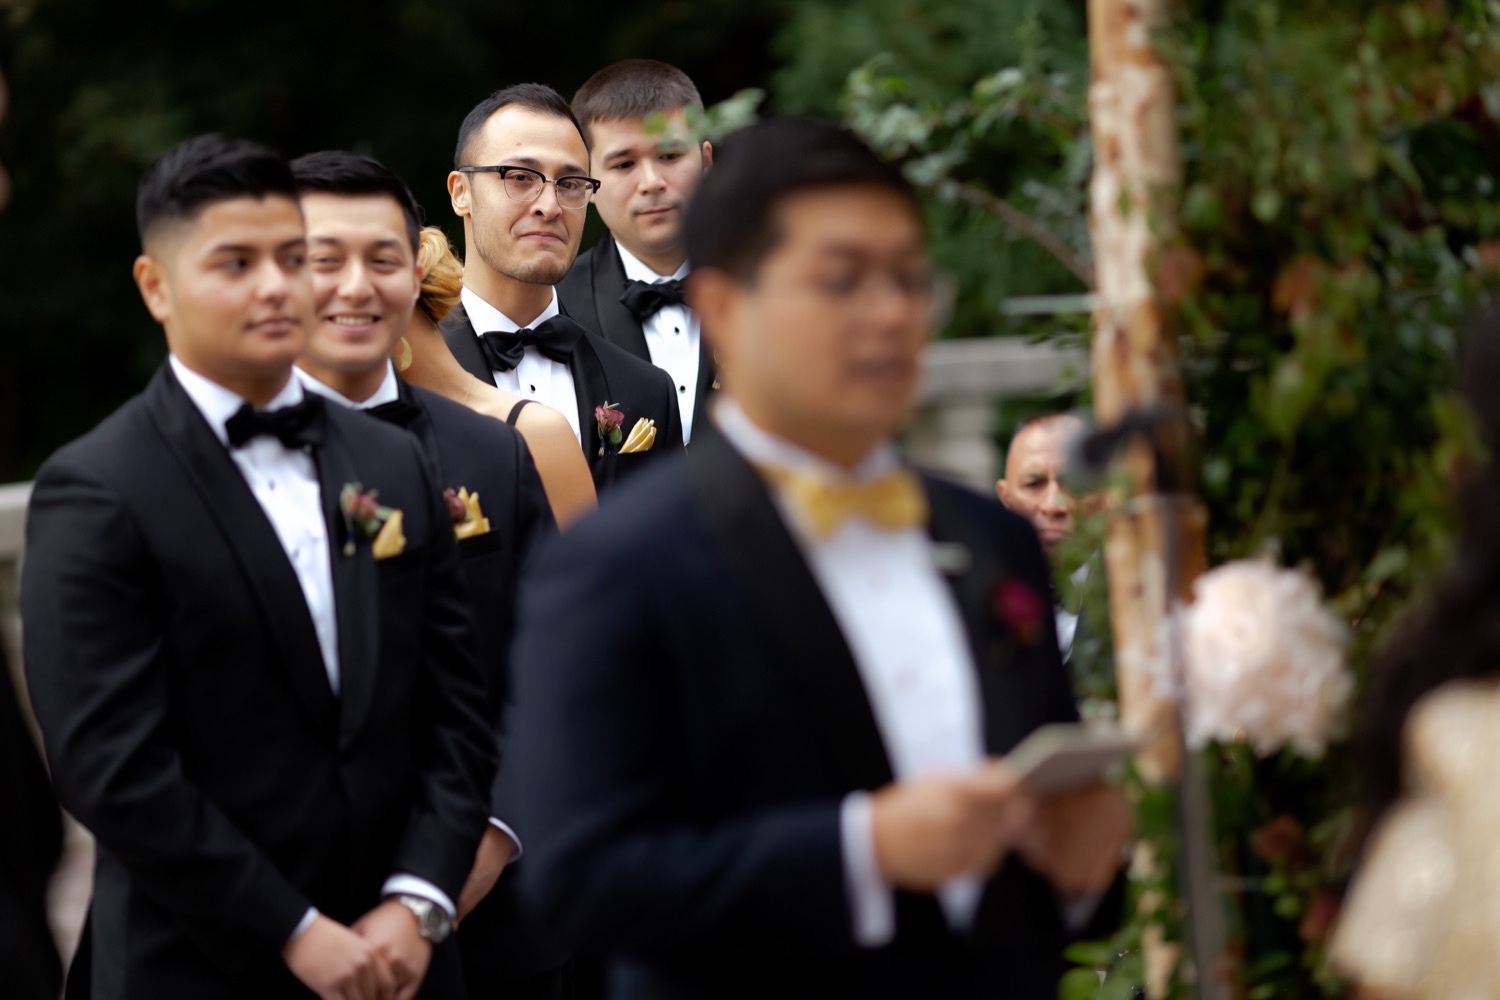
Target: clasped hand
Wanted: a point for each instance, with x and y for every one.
(931, 829)
(382, 957)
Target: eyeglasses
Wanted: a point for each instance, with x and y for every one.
(525, 185)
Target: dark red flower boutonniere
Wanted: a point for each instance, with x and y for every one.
(366, 517)
(1020, 609)
(610, 421)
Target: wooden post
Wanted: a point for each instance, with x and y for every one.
(1154, 544)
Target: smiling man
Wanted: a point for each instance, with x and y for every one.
(629, 285)
(257, 692)
(362, 228)
(521, 184)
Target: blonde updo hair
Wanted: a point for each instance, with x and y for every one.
(442, 274)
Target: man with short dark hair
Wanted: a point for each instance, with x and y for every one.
(248, 641)
(777, 770)
(521, 184)
(362, 229)
(629, 285)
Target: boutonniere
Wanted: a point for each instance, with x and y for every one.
(612, 438)
(366, 516)
(468, 520)
(1020, 609)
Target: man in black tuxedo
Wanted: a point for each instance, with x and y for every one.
(362, 227)
(248, 641)
(628, 286)
(771, 767)
(520, 183)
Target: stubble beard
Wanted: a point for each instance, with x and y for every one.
(513, 266)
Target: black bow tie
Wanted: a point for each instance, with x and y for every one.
(646, 299)
(298, 426)
(397, 411)
(555, 338)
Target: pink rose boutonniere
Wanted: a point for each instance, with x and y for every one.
(610, 421)
(1020, 609)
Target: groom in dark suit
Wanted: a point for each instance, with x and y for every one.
(362, 229)
(629, 285)
(521, 184)
(773, 766)
(248, 640)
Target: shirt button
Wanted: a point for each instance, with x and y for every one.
(533, 388)
(682, 388)
(270, 484)
(676, 329)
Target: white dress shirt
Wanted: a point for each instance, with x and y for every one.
(285, 484)
(389, 392)
(537, 377)
(909, 643)
(671, 337)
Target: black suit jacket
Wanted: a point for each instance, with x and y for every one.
(686, 746)
(486, 455)
(189, 720)
(602, 373)
(590, 293)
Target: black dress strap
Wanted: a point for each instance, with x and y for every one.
(515, 411)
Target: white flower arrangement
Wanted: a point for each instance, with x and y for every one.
(1263, 661)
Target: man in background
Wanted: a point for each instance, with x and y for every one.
(628, 286)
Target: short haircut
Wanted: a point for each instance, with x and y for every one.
(201, 171)
(537, 97)
(731, 223)
(337, 171)
(633, 88)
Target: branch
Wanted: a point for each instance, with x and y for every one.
(1026, 225)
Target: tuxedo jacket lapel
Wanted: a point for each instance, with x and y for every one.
(591, 385)
(975, 572)
(249, 534)
(809, 648)
(616, 323)
(356, 598)
(463, 341)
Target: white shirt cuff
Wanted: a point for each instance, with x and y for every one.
(871, 901)
(515, 840)
(303, 924)
(410, 885)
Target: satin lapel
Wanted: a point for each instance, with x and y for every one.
(810, 652)
(615, 321)
(592, 388)
(356, 598)
(463, 341)
(973, 568)
(249, 534)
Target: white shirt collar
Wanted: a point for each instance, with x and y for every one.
(635, 270)
(388, 392)
(485, 318)
(218, 404)
(762, 447)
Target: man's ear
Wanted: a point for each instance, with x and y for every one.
(458, 193)
(1002, 490)
(708, 156)
(154, 283)
(716, 298)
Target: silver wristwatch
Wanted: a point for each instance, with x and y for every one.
(433, 922)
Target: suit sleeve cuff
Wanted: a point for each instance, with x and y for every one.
(303, 924)
(514, 839)
(872, 902)
(410, 885)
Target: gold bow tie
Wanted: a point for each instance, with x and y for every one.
(892, 502)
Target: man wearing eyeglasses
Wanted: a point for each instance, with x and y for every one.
(521, 184)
